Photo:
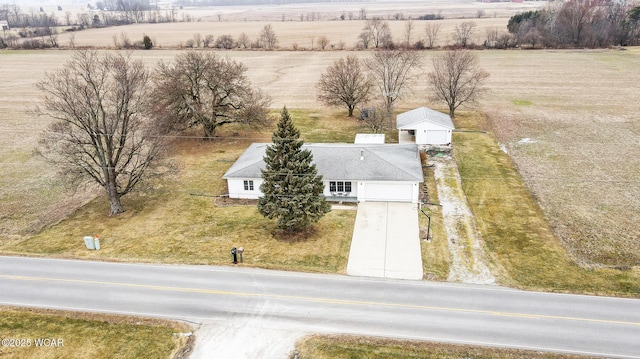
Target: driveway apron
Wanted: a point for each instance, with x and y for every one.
(386, 241)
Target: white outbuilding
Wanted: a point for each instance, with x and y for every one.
(424, 126)
(369, 138)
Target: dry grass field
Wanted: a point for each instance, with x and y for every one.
(85, 335)
(346, 347)
(569, 121)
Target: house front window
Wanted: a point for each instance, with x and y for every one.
(248, 185)
(339, 186)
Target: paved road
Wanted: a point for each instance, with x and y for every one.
(328, 303)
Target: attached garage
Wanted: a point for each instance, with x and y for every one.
(389, 192)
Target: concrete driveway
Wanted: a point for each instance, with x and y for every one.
(386, 242)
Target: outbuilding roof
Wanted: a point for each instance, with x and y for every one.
(408, 120)
(369, 138)
(343, 161)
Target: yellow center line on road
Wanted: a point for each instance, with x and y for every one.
(319, 300)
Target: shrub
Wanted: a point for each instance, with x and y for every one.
(431, 17)
(225, 42)
(148, 44)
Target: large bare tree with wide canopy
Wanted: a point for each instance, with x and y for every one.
(101, 130)
(200, 89)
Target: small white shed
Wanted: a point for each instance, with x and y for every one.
(424, 126)
(369, 138)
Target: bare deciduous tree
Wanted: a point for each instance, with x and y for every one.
(72, 40)
(457, 79)
(379, 32)
(364, 38)
(392, 72)
(408, 31)
(463, 32)
(379, 119)
(207, 41)
(268, 37)
(225, 42)
(363, 13)
(573, 19)
(497, 38)
(345, 83)
(244, 41)
(433, 30)
(101, 132)
(323, 42)
(200, 89)
(126, 43)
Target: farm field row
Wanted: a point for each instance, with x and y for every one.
(301, 35)
(329, 10)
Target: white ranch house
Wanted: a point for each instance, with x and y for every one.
(350, 172)
(424, 126)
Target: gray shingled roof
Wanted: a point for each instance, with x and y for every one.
(341, 161)
(407, 120)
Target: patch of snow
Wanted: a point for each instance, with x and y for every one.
(467, 264)
(527, 140)
(503, 147)
(244, 338)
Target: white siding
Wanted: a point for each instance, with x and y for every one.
(363, 190)
(236, 188)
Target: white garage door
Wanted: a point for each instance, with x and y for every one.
(388, 192)
(435, 137)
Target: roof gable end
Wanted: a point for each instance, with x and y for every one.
(409, 119)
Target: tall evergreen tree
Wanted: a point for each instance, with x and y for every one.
(292, 187)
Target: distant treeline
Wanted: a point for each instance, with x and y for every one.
(255, 2)
(578, 23)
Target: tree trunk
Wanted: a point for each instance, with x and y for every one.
(116, 206)
(350, 111)
(114, 197)
(209, 130)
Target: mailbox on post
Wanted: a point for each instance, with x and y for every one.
(234, 254)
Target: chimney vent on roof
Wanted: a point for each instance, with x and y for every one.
(362, 154)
